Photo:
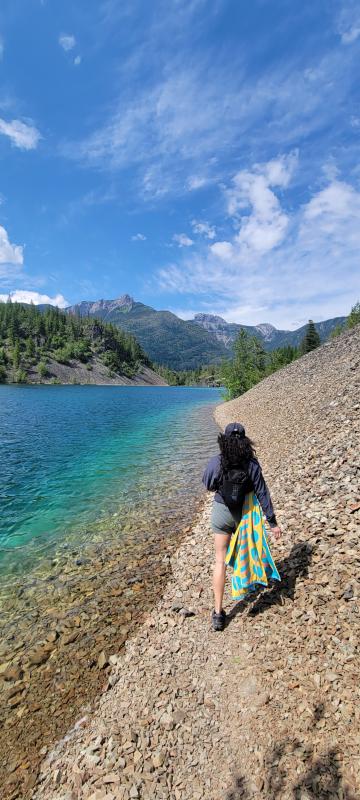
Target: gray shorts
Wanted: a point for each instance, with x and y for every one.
(223, 520)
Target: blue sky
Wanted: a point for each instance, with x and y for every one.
(200, 155)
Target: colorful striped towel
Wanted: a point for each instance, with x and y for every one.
(249, 552)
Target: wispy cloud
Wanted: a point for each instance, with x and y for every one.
(67, 41)
(351, 35)
(169, 131)
(77, 61)
(348, 22)
(23, 296)
(9, 253)
(275, 262)
(203, 229)
(182, 240)
(91, 199)
(196, 182)
(23, 135)
(2, 47)
(138, 237)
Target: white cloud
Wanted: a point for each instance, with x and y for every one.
(2, 47)
(184, 313)
(278, 266)
(279, 171)
(348, 22)
(138, 237)
(9, 253)
(77, 61)
(351, 35)
(196, 182)
(22, 134)
(20, 296)
(265, 226)
(67, 41)
(203, 229)
(337, 201)
(223, 250)
(182, 240)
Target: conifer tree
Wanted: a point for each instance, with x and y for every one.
(311, 339)
(16, 354)
(354, 316)
(30, 347)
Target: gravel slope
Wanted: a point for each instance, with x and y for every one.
(99, 375)
(270, 708)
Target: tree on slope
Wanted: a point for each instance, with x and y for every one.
(247, 366)
(354, 316)
(311, 339)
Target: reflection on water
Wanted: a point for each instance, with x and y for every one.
(92, 464)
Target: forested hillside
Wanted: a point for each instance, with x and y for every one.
(51, 346)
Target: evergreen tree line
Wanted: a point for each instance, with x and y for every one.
(29, 338)
(209, 375)
(251, 363)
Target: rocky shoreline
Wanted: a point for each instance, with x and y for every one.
(60, 629)
(268, 709)
(94, 373)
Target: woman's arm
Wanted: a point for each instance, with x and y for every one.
(262, 492)
(212, 474)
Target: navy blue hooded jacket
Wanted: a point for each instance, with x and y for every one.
(212, 476)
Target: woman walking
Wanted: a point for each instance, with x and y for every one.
(236, 477)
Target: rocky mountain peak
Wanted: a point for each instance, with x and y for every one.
(266, 329)
(209, 319)
(124, 300)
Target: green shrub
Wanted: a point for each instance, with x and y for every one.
(111, 360)
(20, 376)
(337, 331)
(2, 374)
(81, 351)
(42, 369)
(62, 355)
(127, 370)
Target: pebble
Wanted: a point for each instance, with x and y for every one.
(102, 661)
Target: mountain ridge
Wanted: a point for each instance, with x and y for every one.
(187, 344)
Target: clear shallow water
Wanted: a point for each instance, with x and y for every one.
(74, 457)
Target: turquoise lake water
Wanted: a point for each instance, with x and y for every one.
(74, 457)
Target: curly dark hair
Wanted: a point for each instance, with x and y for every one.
(235, 451)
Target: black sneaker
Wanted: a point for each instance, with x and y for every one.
(218, 620)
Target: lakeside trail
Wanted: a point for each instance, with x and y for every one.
(270, 707)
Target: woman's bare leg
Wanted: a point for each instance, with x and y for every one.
(221, 545)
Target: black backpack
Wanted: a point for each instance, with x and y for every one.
(233, 486)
